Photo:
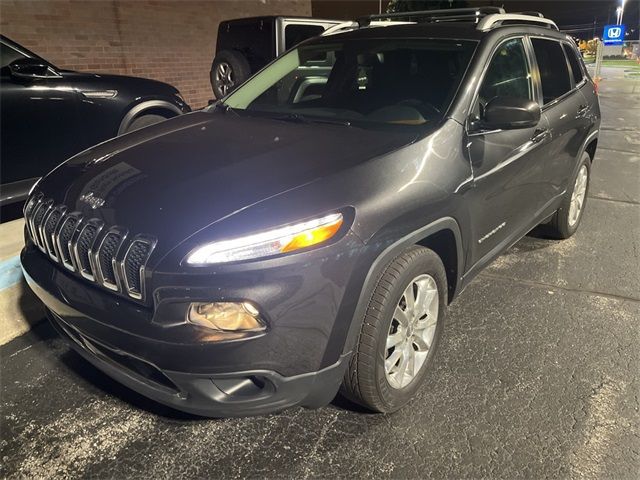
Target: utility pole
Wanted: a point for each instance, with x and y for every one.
(594, 28)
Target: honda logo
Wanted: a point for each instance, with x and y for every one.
(615, 32)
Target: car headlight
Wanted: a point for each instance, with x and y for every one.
(273, 242)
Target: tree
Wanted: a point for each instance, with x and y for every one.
(417, 5)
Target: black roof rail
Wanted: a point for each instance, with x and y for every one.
(432, 16)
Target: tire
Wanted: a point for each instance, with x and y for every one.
(564, 223)
(228, 70)
(366, 380)
(144, 121)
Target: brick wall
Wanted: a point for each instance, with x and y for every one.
(172, 41)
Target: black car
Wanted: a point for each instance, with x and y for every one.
(264, 252)
(245, 45)
(49, 114)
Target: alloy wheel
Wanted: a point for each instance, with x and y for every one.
(224, 77)
(412, 331)
(578, 195)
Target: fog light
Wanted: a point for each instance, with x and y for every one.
(226, 317)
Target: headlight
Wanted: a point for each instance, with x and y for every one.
(272, 242)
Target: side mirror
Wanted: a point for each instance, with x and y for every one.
(509, 113)
(29, 68)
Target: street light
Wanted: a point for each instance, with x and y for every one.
(620, 11)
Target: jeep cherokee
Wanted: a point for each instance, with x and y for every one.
(307, 233)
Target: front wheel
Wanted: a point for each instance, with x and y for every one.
(399, 333)
(566, 220)
(144, 121)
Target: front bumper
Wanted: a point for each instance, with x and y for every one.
(252, 392)
(180, 366)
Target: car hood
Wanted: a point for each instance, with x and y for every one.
(175, 178)
(88, 80)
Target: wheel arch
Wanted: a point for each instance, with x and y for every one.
(156, 107)
(443, 236)
(591, 148)
(589, 145)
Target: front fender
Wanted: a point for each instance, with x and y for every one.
(383, 259)
(144, 106)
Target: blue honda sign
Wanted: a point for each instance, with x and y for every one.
(613, 34)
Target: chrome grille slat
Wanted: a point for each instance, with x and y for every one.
(133, 265)
(83, 249)
(28, 211)
(49, 230)
(31, 219)
(109, 259)
(40, 218)
(105, 258)
(68, 226)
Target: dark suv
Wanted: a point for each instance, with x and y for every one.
(287, 241)
(48, 114)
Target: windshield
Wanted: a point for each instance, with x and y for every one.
(384, 81)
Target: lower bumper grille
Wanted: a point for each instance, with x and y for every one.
(139, 368)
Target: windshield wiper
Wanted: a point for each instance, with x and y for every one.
(221, 107)
(296, 117)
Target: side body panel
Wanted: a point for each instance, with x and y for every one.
(40, 125)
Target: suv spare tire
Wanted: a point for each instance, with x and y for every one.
(228, 70)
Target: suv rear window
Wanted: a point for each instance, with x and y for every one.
(574, 63)
(553, 68)
(295, 33)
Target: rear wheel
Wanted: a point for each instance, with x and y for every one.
(229, 69)
(566, 220)
(399, 333)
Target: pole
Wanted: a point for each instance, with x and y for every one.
(598, 60)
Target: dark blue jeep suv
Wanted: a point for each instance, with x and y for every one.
(306, 233)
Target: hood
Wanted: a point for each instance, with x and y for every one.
(138, 85)
(172, 179)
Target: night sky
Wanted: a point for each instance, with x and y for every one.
(568, 14)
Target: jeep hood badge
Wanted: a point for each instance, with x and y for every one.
(91, 200)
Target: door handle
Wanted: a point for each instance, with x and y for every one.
(539, 135)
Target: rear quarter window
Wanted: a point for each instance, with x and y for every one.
(552, 63)
(574, 63)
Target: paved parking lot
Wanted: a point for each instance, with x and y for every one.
(537, 375)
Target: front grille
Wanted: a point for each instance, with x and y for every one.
(84, 246)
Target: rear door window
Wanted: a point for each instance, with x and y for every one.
(554, 73)
(574, 63)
